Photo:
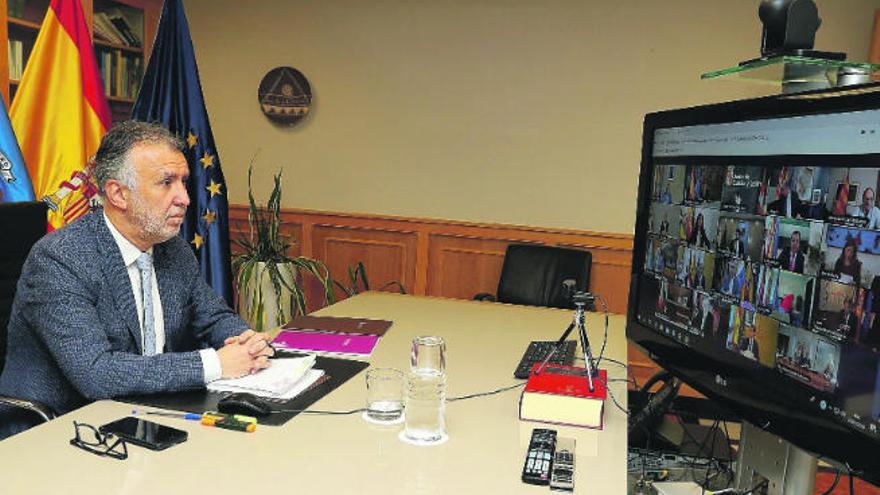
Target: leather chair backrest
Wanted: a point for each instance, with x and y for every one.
(533, 274)
(22, 225)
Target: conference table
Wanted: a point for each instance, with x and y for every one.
(344, 454)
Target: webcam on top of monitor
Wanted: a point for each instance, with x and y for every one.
(790, 29)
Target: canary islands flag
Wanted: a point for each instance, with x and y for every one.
(59, 113)
(171, 95)
(15, 183)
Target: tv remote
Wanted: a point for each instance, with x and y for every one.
(539, 457)
(562, 478)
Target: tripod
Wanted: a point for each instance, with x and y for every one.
(580, 300)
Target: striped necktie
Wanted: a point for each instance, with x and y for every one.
(145, 266)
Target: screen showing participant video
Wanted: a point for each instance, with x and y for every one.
(793, 245)
(669, 184)
(709, 315)
(741, 236)
(695, 268)
(737, 279)
(852, 198)
(839, 310)
(665, 220)
(703, 184)
(786, 296)
(752, 336)
(794, 192)
(809, 358)
(852, 256)
(699, 226)
(744, 190)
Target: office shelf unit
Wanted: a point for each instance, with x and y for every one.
(122, 33)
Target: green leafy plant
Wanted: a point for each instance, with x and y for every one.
(357, 282)
(264, 264)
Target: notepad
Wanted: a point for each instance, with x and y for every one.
(336, 343)
(284, 379)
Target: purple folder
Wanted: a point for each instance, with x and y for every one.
(326, 342)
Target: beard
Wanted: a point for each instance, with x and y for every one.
(154, 226)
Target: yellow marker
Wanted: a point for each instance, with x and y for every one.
(238, 417)
(229, 424)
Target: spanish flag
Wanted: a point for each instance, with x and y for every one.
(59, 113)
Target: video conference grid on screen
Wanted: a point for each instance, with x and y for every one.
(778, 265)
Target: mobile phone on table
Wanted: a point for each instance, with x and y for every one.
(145, 433)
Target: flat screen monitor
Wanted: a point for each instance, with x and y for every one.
(756, 265)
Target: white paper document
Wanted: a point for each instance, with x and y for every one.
(284, 379)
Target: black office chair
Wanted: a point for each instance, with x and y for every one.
(533, 275)
(24, 224)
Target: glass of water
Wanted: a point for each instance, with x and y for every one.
(384, 396)
(425, 397)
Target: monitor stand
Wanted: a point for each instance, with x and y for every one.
(789, 470)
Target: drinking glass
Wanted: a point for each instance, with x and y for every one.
(425, 398)
(384, 395)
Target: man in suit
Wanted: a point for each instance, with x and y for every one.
(114, 304)
(791, 258)
(787, 204)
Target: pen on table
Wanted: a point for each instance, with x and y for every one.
(190, 416)
(209, 415)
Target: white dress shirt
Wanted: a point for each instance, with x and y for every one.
(130, 254)
(873, 216)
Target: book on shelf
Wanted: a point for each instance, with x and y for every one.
(118, 19)
(107, 30)
(16, 59)
(561, 395)
(121, 72)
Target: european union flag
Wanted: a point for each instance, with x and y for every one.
(171, 95)
(15, 183)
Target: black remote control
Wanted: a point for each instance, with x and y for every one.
(539, 458)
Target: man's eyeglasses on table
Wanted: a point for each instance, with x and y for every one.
(88, 438)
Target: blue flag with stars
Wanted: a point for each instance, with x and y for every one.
(171, 95)
(15, 183)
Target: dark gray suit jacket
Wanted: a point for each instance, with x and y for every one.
(74, 335)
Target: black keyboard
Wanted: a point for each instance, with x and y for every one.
(538, 350)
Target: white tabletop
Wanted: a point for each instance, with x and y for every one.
(343, 454)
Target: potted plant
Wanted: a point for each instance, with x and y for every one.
(269, 282)
(357, 278)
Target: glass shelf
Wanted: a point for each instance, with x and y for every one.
(790, 69)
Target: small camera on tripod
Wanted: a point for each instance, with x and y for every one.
(580, 298)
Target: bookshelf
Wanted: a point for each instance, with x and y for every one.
(122, 34)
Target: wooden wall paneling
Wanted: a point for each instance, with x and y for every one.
(461, 267)
(388, 255)
(448, 258)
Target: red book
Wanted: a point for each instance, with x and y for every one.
(561, 395)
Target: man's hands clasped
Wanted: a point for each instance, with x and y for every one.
(244, 354)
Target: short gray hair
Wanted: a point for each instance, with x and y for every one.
(111, 159)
